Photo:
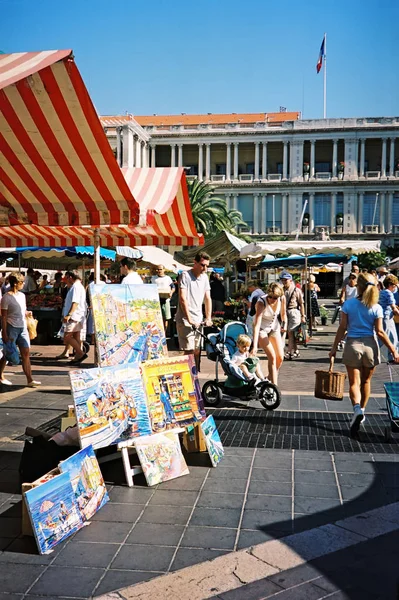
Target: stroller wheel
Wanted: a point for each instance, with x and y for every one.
(269, 395)
(211, 393)
(86, 347)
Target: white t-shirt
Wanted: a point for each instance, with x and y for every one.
(132, 278)
(164, 284)
(29, 285)
(15, 305)
(77, 294)
(239, 357)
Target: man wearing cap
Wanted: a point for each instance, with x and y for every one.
(382, 272)
(295, 312)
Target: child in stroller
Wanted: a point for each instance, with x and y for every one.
(241, 382)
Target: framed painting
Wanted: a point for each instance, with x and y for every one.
(128, 323)
(173, 393)
(161, 457)
(212, 440)
(110, 404)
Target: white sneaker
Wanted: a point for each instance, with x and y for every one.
(5, 381)
(34, 384)
(357, 418)
(363, 417)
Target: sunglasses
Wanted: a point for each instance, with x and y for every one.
(273, 297)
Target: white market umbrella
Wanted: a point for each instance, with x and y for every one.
(152, 255)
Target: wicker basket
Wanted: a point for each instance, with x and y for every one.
(329, 385)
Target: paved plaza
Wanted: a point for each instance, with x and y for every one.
(294, 502)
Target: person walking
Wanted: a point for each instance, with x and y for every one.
(387, 302)
(361, 318)
(166, 288)
(128, 271)
(74, 313)
(267, 328)
(312, 305)
(14, 327)
(218, 293)
(255, 292)
(295, 312)
(194, 289)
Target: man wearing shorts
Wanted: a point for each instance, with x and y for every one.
(166, 288)
(74, 312)
(194, 289)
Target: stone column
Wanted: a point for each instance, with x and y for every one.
(335, 159)
(256, 161)
(311, 212)
(312, 158)
(389, 211)
(284, 212)
(153, 156)
(255, 228)
(264, 160)
(333, 211)
(118, 146)
(207, 162)
(285, 160)
(173, 155)
(362, 156)
(360, 212)
(228, 161)
(180, 155)
(128, 147)
(228, 201)
(200, 161)
(263, 214)
(392, 158)
(235, 200)
(138, 153)
(384, 159)
(382, 212)
(235, 174)
(146, 149)
(351, 154)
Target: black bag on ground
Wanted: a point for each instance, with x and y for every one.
(41, 456)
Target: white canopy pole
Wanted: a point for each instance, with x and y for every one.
(97, 255)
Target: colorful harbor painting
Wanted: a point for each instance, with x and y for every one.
(212, 440)
(53, 512)
(110, 404)
(87, 481)
(128, 323)
(161, 457)
(173, 393)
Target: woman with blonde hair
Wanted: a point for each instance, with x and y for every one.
(267, 328)
(361, 318)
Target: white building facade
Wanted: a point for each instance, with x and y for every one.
(345, 170)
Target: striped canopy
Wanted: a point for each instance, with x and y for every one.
(56, 165)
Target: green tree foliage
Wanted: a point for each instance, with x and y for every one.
(371, 260)
(210, 212)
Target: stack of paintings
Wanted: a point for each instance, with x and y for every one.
(60, 502)
(173, 393)
(110, 404)
(128, 323)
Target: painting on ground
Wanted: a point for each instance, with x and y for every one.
(110, 404)
(128, 323)
(87, 481)
(53, 512)
(161, 457)
(212, 440)
(173, 393)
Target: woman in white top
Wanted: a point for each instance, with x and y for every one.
(349, 290)
(14, 329)
(267, 328)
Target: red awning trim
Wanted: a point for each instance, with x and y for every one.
(56, 165)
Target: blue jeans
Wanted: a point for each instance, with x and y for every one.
(19, 335)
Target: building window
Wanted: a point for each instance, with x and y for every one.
(395, 210)
(221, 169)
(322, 209)
(323, 167)
(340, 203)
(245, 204)
(273, 206)
(280, 168)
(250, 169)
(371, 209)
(192, 169)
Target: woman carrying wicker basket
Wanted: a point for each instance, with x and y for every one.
(361, 318)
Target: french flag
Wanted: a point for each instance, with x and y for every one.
(321, 56)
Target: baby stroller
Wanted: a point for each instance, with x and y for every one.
(392, 398)
(220, 347)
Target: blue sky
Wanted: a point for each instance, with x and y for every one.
(168, 57)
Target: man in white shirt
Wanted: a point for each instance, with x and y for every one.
(30, 282)
(74, 313)
(166, 288)
(128, 270)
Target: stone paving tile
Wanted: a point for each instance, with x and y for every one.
(79, 582)
(209, 537)
(76, 554)
(257, 590)
(251, 537)
(166, 514)
(267, 520)
(161, 534)
(118, 513)
(216, 517)
(116, 579)
(223, 472)
(173, 498)
(273, 503)
(18, 578)
(134, 495)
(144, 557)
(226, 485)
(220, 500)
(315, 477)
(313, 505)
(315, 491)
(186, 557)
(283, 475)
(102, 531)
(275, 488)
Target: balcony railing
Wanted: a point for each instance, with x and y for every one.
(274, 177)
(246, 177)
(273, 230)
(373, 174)
(218, 178)
(371, 228)
(323, 175)
(397, 174)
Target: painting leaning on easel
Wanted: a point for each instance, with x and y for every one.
(173, 393)
(110, 404)
(128, 323)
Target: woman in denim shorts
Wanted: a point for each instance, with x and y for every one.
(14, 329)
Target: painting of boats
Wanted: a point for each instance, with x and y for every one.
(161, 457)
(128, 323)
(212, 440)
(53, 512)
(173, 393)
(110, 404)
(87, 481)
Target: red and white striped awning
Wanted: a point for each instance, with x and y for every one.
(56, 165)
(162, 192)
(124, 235)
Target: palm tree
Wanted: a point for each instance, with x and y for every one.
(210, 212)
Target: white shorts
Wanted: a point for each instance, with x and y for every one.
(189, 340)
(73, 326)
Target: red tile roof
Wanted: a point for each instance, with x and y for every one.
(211, 119)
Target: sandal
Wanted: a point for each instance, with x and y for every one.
(296, 354)
(288, 356)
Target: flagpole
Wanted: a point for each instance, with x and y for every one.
(325, 78)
